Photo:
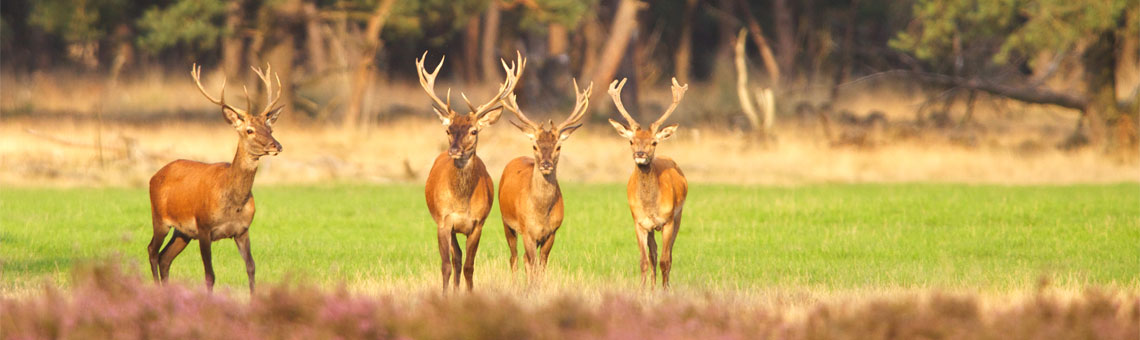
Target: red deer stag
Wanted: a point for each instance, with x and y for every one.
(657, 188)
(209, 202)
(459, 190)
(529, 198)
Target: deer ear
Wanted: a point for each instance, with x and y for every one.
(490, 118)
(442, 117)
(233, 117)
(272, 116)
(621, 129)
(666, 132)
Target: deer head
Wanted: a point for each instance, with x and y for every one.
(255, 131)
(548, 140)
(642, 141)
(463, 129)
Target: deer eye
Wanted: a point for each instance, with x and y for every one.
(654, 143)
(534, 147)
(249, 131)
(558, 148)
(630, 142)
(473, 132)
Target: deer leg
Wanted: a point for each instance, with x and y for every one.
(512, 243)
(544, 255)
(155, 246)
(530, 249)
(456, 259)
(243, 248)
(472, 248)
(643, 245)
(668, 235)
(546, 246)
(207, 263)
(177, 243)
(652, 245)
(444, 234)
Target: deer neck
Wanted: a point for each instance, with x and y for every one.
(239, 176)
(647, 188)
(543, 188)
(463, 184)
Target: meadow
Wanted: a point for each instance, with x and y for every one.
(738, 239)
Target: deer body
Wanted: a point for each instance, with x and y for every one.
(531, 205)
(460, 197)
(209, 202)
(529, 197)
(530, 200)
(459, 191)
(656, 195)
(657, 188)
(212, 199)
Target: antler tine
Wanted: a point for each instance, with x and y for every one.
(581, 103)
(514, 73)
(248, 100)
(678, 93)
(278, 78)
(427, 81)
(615, 93)
(270, 99)
(469, 105)
(196, 73)
(511, 104)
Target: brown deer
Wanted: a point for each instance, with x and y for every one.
(657, 188)
(459, 190)
(209, 202)
(529, 198)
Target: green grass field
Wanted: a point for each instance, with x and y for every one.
(829, 237)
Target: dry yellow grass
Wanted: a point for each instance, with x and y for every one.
(1014, 143)
(402, 150)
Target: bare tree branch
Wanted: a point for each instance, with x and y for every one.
(1024, 94)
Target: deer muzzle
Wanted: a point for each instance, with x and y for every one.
(641, 158)
(546, 167)
(274, 148)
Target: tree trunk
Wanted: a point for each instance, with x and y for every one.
(761, 44)
(314, 39)
(682, 60)
(471, 50)
(785, 37)
(742, 93)
(625, 21)
(848, 47)
(280, 56)
(489, 44)
(1099, 62)
(362, 77)
(592, 34)
(558, 39)
(233, 45)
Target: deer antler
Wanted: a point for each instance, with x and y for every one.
(678, 93)
(270, 99)
(427, 80)
(615, 93)
(581, 103)
(514, 72)
(196, 72)
(510, 104)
